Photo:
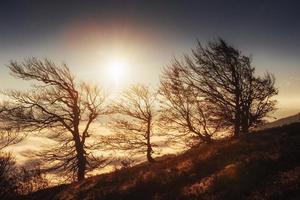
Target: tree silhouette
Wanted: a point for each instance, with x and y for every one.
(59, 108)
(8, 183)
(133, 127)
(9, 137)
(8, 169)
(30, 178)
(256, 102)
(226, 79)
(16, 180)
(184, 110)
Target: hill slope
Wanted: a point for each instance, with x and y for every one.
(281, 122)
(264, 165)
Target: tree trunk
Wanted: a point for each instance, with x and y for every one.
(238, 114)
(245, 126)
(81, 166)
(149, 148)
(81, 160)
(246, 120)
(237, 123)
(149, 156)
(245, 130)
(204, 138)
(208, 139)
(237, 101)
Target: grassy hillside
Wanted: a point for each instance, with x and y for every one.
(264, 165)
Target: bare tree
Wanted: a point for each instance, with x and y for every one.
(184, 110)
(30, 178)
(9, 137)
(256, 100)
(133, 127)
(8, 169)
(59, 108)
(226, 79)
(19, 180)
(8, 182)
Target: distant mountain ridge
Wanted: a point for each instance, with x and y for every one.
(281, 122)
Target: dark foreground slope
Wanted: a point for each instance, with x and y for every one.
(264, 165)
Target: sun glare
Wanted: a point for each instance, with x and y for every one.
(116, 70)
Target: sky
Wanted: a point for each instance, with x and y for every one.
(136, 39)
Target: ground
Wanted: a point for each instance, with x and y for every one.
(262, 165)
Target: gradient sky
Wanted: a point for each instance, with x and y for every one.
(88, 35)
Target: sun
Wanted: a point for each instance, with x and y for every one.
(116, 70)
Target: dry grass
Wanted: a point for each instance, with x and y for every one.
(263, 165)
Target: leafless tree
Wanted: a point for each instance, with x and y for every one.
(226, 79)
(256, 102)
(184, 111)
(133, 127)
(8, 183)
(19, 180)
(59, 108)
(30, 178)
(9, 137)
